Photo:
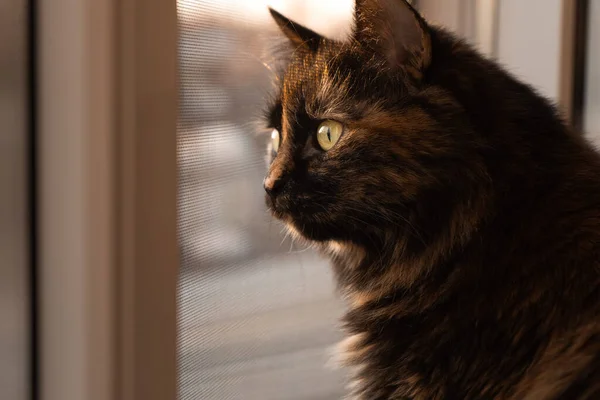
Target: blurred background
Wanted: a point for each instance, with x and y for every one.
(254, 315)
(257, 314)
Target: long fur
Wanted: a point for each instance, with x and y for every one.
(461, 215)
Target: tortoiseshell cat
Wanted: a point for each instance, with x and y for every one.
(461, 215)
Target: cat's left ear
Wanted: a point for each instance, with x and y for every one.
(395, 30)
(299, 35)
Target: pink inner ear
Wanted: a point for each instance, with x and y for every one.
(393, 28)
(390, 44)
(406, 32)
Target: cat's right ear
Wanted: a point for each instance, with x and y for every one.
(299, 35)
(394, 30)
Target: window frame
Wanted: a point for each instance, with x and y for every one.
(108, 256)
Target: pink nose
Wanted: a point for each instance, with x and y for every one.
(269, 183)
(273, 185)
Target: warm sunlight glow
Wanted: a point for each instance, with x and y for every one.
(331, 18)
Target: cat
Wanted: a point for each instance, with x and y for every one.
(460, 212)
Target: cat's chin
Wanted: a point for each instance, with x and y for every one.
(310, 231)
(303, 226)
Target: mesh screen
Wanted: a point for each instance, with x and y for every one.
(257, 316)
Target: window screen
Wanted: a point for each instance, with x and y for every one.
(592, 75)
(257, 314)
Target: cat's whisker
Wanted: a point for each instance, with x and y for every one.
(268, 67)
(286, 234)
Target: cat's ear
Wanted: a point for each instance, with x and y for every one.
(396, 31)
(299, 35)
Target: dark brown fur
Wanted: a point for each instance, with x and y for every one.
(461, 215)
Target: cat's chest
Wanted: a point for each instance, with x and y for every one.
(423, 357)
(380, 358)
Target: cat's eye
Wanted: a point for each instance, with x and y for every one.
(329, 133)
(275, 140)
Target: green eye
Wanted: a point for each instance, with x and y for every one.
(275, 140)
(329, 133)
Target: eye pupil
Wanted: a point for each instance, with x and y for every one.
(328, 134)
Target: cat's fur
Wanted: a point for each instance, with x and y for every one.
(461, 215)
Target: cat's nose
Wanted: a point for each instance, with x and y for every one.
(273, 186)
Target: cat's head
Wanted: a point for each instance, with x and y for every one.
(365, 145)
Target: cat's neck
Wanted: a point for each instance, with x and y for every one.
(370, 275)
